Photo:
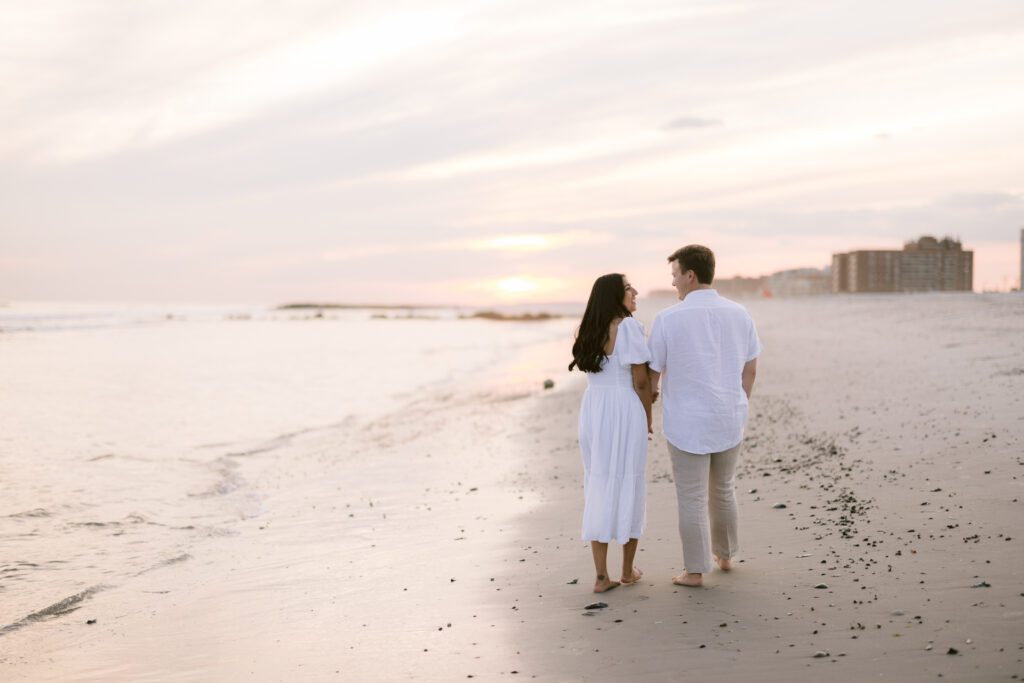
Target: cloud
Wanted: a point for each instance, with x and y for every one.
(691, 122)
(509, 243)
(322, 144)
(982, 200)
(540, 241)
(103, 104)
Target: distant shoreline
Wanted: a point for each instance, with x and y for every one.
(478, 314)
(515, 317)
(349, 307)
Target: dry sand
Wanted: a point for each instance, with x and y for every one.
(443, 544)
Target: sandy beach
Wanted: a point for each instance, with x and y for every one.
(880, 500)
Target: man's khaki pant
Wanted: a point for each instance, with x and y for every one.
(705, 487)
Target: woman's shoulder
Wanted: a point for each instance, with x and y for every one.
(631, 323)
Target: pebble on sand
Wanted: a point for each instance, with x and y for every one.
(596, 605)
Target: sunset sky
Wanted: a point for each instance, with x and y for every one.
(484, 151)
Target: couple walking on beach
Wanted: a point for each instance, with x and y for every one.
(703, 352)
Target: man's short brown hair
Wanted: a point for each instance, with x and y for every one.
(697, 258)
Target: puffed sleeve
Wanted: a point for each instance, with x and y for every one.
(632, 342)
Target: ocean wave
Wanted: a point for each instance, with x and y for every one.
(229, 480)
(59, 608)
(177, 559)
(35, 512)
(111, 456)
(73, 602)
(265, 448)
(285, 439)
(133, 518)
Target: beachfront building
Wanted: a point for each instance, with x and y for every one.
(924, 265)
(799, 282)
(1020, 282)
(784, 283)
(740, 287)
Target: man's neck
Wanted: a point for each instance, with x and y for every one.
(698, 288)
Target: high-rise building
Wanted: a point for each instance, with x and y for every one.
(929, 265)
(1020, 282)
(924, 265)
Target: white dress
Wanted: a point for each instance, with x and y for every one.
(613, 442)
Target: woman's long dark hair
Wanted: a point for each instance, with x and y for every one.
(604, 306)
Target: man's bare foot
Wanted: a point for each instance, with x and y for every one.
(604, 584)
(635, 576)
(723, 564)
(689, 580)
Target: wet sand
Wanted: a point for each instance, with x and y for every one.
(442, 543)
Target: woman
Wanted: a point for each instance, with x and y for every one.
(610, 347)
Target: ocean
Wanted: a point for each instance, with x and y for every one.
(126, 431)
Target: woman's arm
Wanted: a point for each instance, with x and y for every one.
(642, 385)
(747, 378)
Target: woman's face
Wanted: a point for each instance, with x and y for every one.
(630, 299)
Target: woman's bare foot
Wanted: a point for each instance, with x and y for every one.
(603, 584)
(689, 580)
(723, 564)
(635, 576)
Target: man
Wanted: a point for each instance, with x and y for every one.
(706, 347)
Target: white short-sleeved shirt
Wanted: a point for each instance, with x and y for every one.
(700, 346)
